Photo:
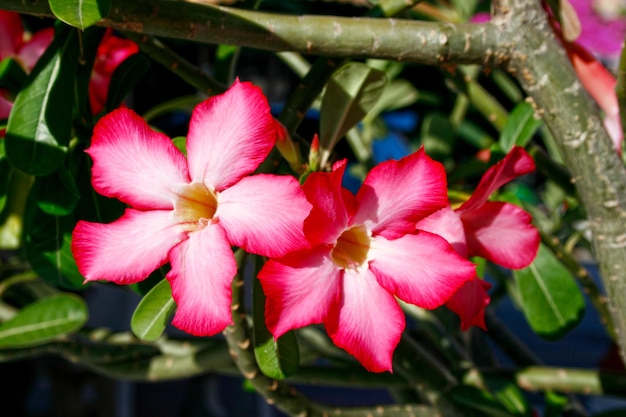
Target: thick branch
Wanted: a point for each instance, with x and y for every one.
(396, 39)
(540, 65)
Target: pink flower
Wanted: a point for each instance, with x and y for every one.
(602, 30)
(499, 232)
(17, 44)
(111, 53)
(190, 211)
(365, 252)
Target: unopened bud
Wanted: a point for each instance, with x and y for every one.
(287, 148)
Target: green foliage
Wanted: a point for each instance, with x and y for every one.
(12, 75)
(520, 127)
(351, 93)
(39, 127)
(124, 79)
(80, 13)
(153, 312)
(551, 300)
(44, 320)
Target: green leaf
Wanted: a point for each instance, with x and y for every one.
(80, 13)
(509, 395)
(520, 127)
(44, 320)
(12, 75)
(57, 193)
(437, 136)
(153, 312)
(277, 359)
(40, 123)
(47, 247)
(5, 176)
(124, 78)
(551, 299)
(351, 93)
(555, 404)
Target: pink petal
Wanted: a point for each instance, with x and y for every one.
(469, 303)
(516, 163)
(447, 224)
(329, 215)
(502, 233)
(397, 194)
(135, 164)
(264, 214)
(32, 50)
(299, 288)
(11, 33)
(127, 250)
(5, 106)
(421, 269)
(203, 268)
(368, 323)
(229, 136)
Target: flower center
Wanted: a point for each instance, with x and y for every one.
(351, 248)
(195, 206)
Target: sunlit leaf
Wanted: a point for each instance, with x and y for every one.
(39, 126)
(44, 320)
(153, 312)
(80, 13)
(277, 359)
(352, 91)
(551, 299)
(520, 127)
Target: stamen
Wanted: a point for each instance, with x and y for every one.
(195, 206)
(351, 248)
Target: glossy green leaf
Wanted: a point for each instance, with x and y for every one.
(80, 13)
(551, 299)
(12, 75)
(39, 126)
(509, 395)
(520, 127)
(44, 320)
(124, 78)
(555, 404)
(57, 193)
(277, 359)
(351, 93)
(47, 241)
(153, 312)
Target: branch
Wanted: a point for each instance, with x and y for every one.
(395, 39)
(539, 63)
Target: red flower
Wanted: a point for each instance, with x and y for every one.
(364, 252)
(499, 232)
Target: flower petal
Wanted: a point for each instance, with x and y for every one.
(11, 33)
(31, 51)
(368, 323)
(229, 136)
(135, 164)
(447, 224)
(5, 106)
(502, 233)
(421, 269)
(516, 163)
(469, 303)
(397, 194)
(299, 288)
(329, 215)
(264, 214)
(203, 268)
(126, 250)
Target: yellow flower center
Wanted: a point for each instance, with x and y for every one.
(351, 248)
(195, 206)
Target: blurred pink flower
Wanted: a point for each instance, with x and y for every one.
(190, 211)
(602, 31)
(497, 231)
(364, 252)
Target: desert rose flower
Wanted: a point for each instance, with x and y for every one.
(498, 231)
(190, 211)
(364, 252)
(112, 51)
